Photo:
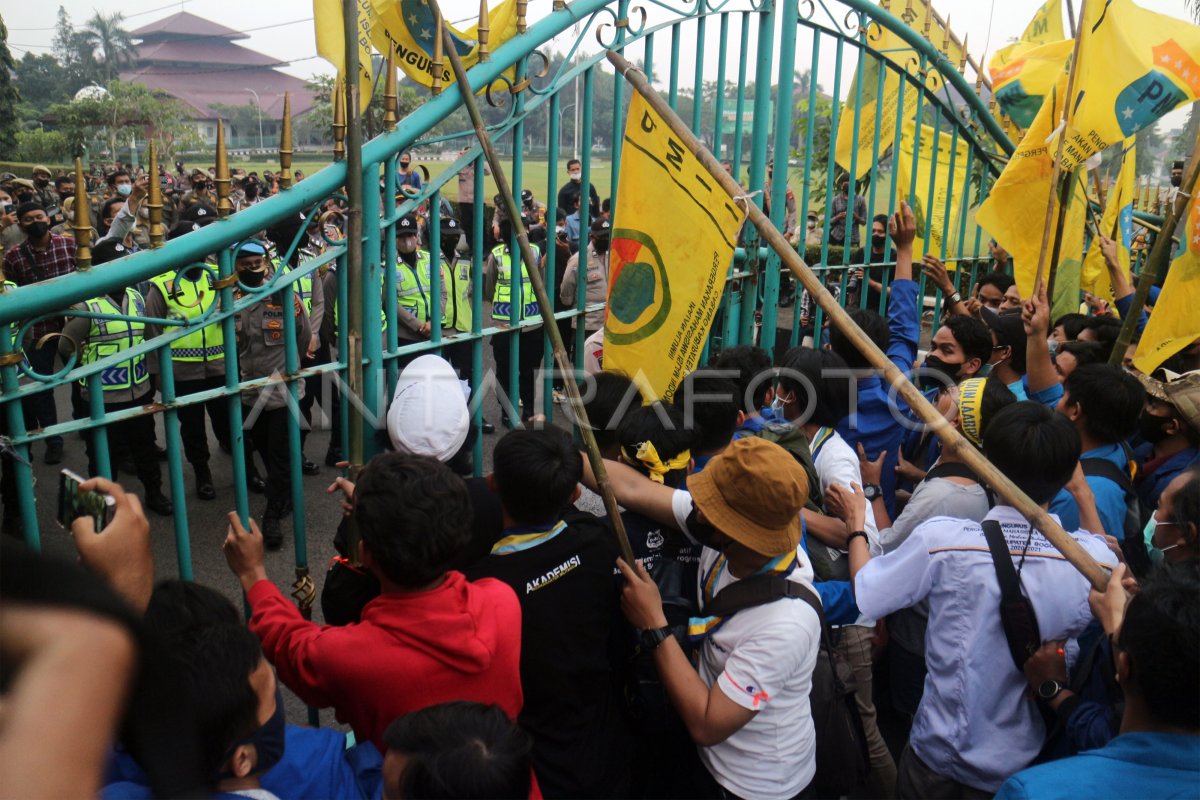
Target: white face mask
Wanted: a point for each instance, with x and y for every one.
(575, 176)
(124, 189)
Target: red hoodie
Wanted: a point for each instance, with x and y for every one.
(460, 641)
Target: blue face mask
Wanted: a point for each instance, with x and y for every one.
(1156, 555)
(268, 740)
(124, 189)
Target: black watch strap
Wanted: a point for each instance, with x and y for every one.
(651, 639)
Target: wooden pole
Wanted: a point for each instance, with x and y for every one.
(1160, 254)
(545, 304)
(356, 314)
(1057, 173)
(952, 440)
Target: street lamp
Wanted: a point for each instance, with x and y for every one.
(561, 109)
(258, 105)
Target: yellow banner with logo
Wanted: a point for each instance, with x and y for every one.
(1134, 67)
(666, 271)
(1175, 323)
(1117, 224)
(331, 41)
(1045, 27)
(937, 224)
(884, 106)
(409, 26)
(1023, 82)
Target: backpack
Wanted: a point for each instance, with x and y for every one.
(843, 761)
(1134, 544)
(791, 438)
(1017, 615)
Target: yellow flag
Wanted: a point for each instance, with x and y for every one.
(1067, 275)
(411, 28)
(1045, 27)
(1134, 67)
(666, 272)
(331, 41)
(1175, 323)
(1117, 224)
(1014, 212)
(884, 106)
(1022, 83)
(933, 223)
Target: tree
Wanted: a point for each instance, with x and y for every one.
(39, 146)
(41, 80)
(240, 121)
(9, 96)
(127, 110)
(73, 54)
(110, 42)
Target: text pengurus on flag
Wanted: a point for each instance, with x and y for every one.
(672, 245)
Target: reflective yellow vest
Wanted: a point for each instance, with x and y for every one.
(187, 300)
(456, 278)
(303, 287)
(108, 337)
(502, 296)
(413, 287)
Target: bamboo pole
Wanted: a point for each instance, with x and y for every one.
(285, 143)
(352, 151)
(82, 225)
(1055, 188)
(154, 201)
(544, 302)
(1160, 254)
(952, 440)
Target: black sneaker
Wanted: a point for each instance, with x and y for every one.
(204, 484)
(272, 531)
(256, 484)
(159, 503)
(310, 468)
(488, 427)
(54, 451)
(332, 456)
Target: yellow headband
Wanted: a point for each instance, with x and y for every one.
(970, 402)
(648, 456)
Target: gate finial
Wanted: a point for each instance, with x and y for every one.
(481, 33)
(389, 90)
(83, 219)
(339, 122)
(154, 201)
(285, 143)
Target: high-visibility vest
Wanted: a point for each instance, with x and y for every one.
(188, 299)
(456, 278)
(502, 296)
(414, 287)
(109, 337)
(302, 287)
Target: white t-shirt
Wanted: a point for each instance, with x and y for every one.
(837, 463)
(762, 658)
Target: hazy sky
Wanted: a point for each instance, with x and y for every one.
(283, 28)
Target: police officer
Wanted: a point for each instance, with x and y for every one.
(413, 290)
(262, 354)
(125, 384)
(595, 273)
(197, 359)
(506, 282)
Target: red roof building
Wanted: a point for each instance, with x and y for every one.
(197, 62)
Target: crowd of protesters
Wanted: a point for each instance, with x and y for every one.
(824, 600)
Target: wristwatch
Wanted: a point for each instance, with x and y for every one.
(1048, 690)
(651, 639)
(871, 491)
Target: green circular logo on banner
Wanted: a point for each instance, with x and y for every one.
(639, 300)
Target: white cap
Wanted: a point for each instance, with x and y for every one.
(428, 415)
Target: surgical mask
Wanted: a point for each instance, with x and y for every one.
(938, 373)
(124, 189)
(1150, 427)
(575, 176)
(268, 740)
(777, 404)
(36, 230)
(1156, 555)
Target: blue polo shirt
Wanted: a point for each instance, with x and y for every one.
(1110, 499)
(875, 423)
(1133, 765)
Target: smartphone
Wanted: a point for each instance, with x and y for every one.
(9, 208)
(73, 503)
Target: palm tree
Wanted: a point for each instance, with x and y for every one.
(111, 43)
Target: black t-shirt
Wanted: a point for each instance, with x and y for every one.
(572, 652)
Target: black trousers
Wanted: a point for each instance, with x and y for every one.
(192, 428)
(312, 390)
(269, 436)
(529, 357)
(133, 438)
(39, 409)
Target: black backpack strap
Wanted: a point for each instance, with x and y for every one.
(1017, 616)
(1103, 468)
(955, 469)
(760, 590)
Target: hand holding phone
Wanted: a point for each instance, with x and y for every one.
(120, 551)
(74, 502)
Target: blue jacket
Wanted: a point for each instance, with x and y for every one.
(875, 424)
(1110, 499)
(1133, 765)
(1150, 485)
(1125, 303)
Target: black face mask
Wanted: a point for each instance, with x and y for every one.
(251, 190)
(937, 373)
(249, 278)
(878, 242)
(600, 245)
(1150, 427)
(41, 182)
(36, 230)
(702, 532)
(62, 196)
